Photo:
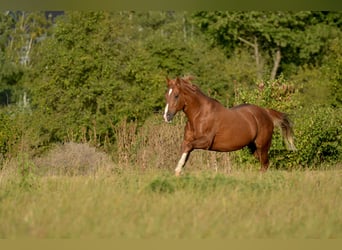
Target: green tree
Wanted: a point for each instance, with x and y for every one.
(332, 68)
(278, 38)
(20, 32)
(100, 68)
(88, 76)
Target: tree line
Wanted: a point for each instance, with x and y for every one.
(78, 75)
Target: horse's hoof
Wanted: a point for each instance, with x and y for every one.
(177, 173)
(263, 170)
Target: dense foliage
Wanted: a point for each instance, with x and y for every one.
(80, 75)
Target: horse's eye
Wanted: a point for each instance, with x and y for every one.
(176, 96)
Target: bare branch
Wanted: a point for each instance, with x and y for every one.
(247, 42)
(276, 61)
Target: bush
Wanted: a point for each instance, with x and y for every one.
(73, 159)
(12, 130)
(7, 134)
(318, 136)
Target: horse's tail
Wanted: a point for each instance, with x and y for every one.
(282, 120)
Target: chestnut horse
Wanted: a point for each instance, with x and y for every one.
(211, 126)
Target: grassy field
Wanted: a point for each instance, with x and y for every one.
(154, 204)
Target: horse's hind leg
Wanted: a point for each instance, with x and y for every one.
(252, 149)
(262, 155)
(264, 160)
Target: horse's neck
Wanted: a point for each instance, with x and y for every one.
(194, 105)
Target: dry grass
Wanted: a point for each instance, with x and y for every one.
(156, 145)
(73, 159)
(155, 204)
(76, 191)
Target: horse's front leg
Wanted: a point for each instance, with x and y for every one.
(181, 163)
(187, 146)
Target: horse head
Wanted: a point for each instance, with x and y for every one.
(174, 97)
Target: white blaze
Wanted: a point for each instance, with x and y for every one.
(167, 107)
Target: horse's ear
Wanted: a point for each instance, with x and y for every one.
(167, 81)
(189, 78)
(178, 81)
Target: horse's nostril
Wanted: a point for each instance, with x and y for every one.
(169, 116)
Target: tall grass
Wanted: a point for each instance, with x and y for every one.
(77, 191)
(156, 145)
(155, 204)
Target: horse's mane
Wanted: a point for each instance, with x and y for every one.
(194, 88)
(189, 85)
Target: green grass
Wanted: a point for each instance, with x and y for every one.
(155, 204)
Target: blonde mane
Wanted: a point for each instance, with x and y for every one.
(187, 80)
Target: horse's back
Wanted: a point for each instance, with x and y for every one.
(258, 113)
(243, 105)
(247, 106)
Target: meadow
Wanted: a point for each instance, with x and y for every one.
(85, 153)
(75, 190)
(147, 204)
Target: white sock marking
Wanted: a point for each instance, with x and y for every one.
(165, 112)
(181, 162)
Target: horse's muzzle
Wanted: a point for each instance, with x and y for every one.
(168, 116)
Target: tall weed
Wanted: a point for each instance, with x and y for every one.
(73, 159)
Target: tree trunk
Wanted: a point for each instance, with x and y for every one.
(257, 58)
(27, 54)
(184, 28)
(256, 54)
(276, 64)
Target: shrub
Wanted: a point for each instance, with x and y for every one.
(13, 131)
(73, 159)
(318, 136)
(7, 135)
